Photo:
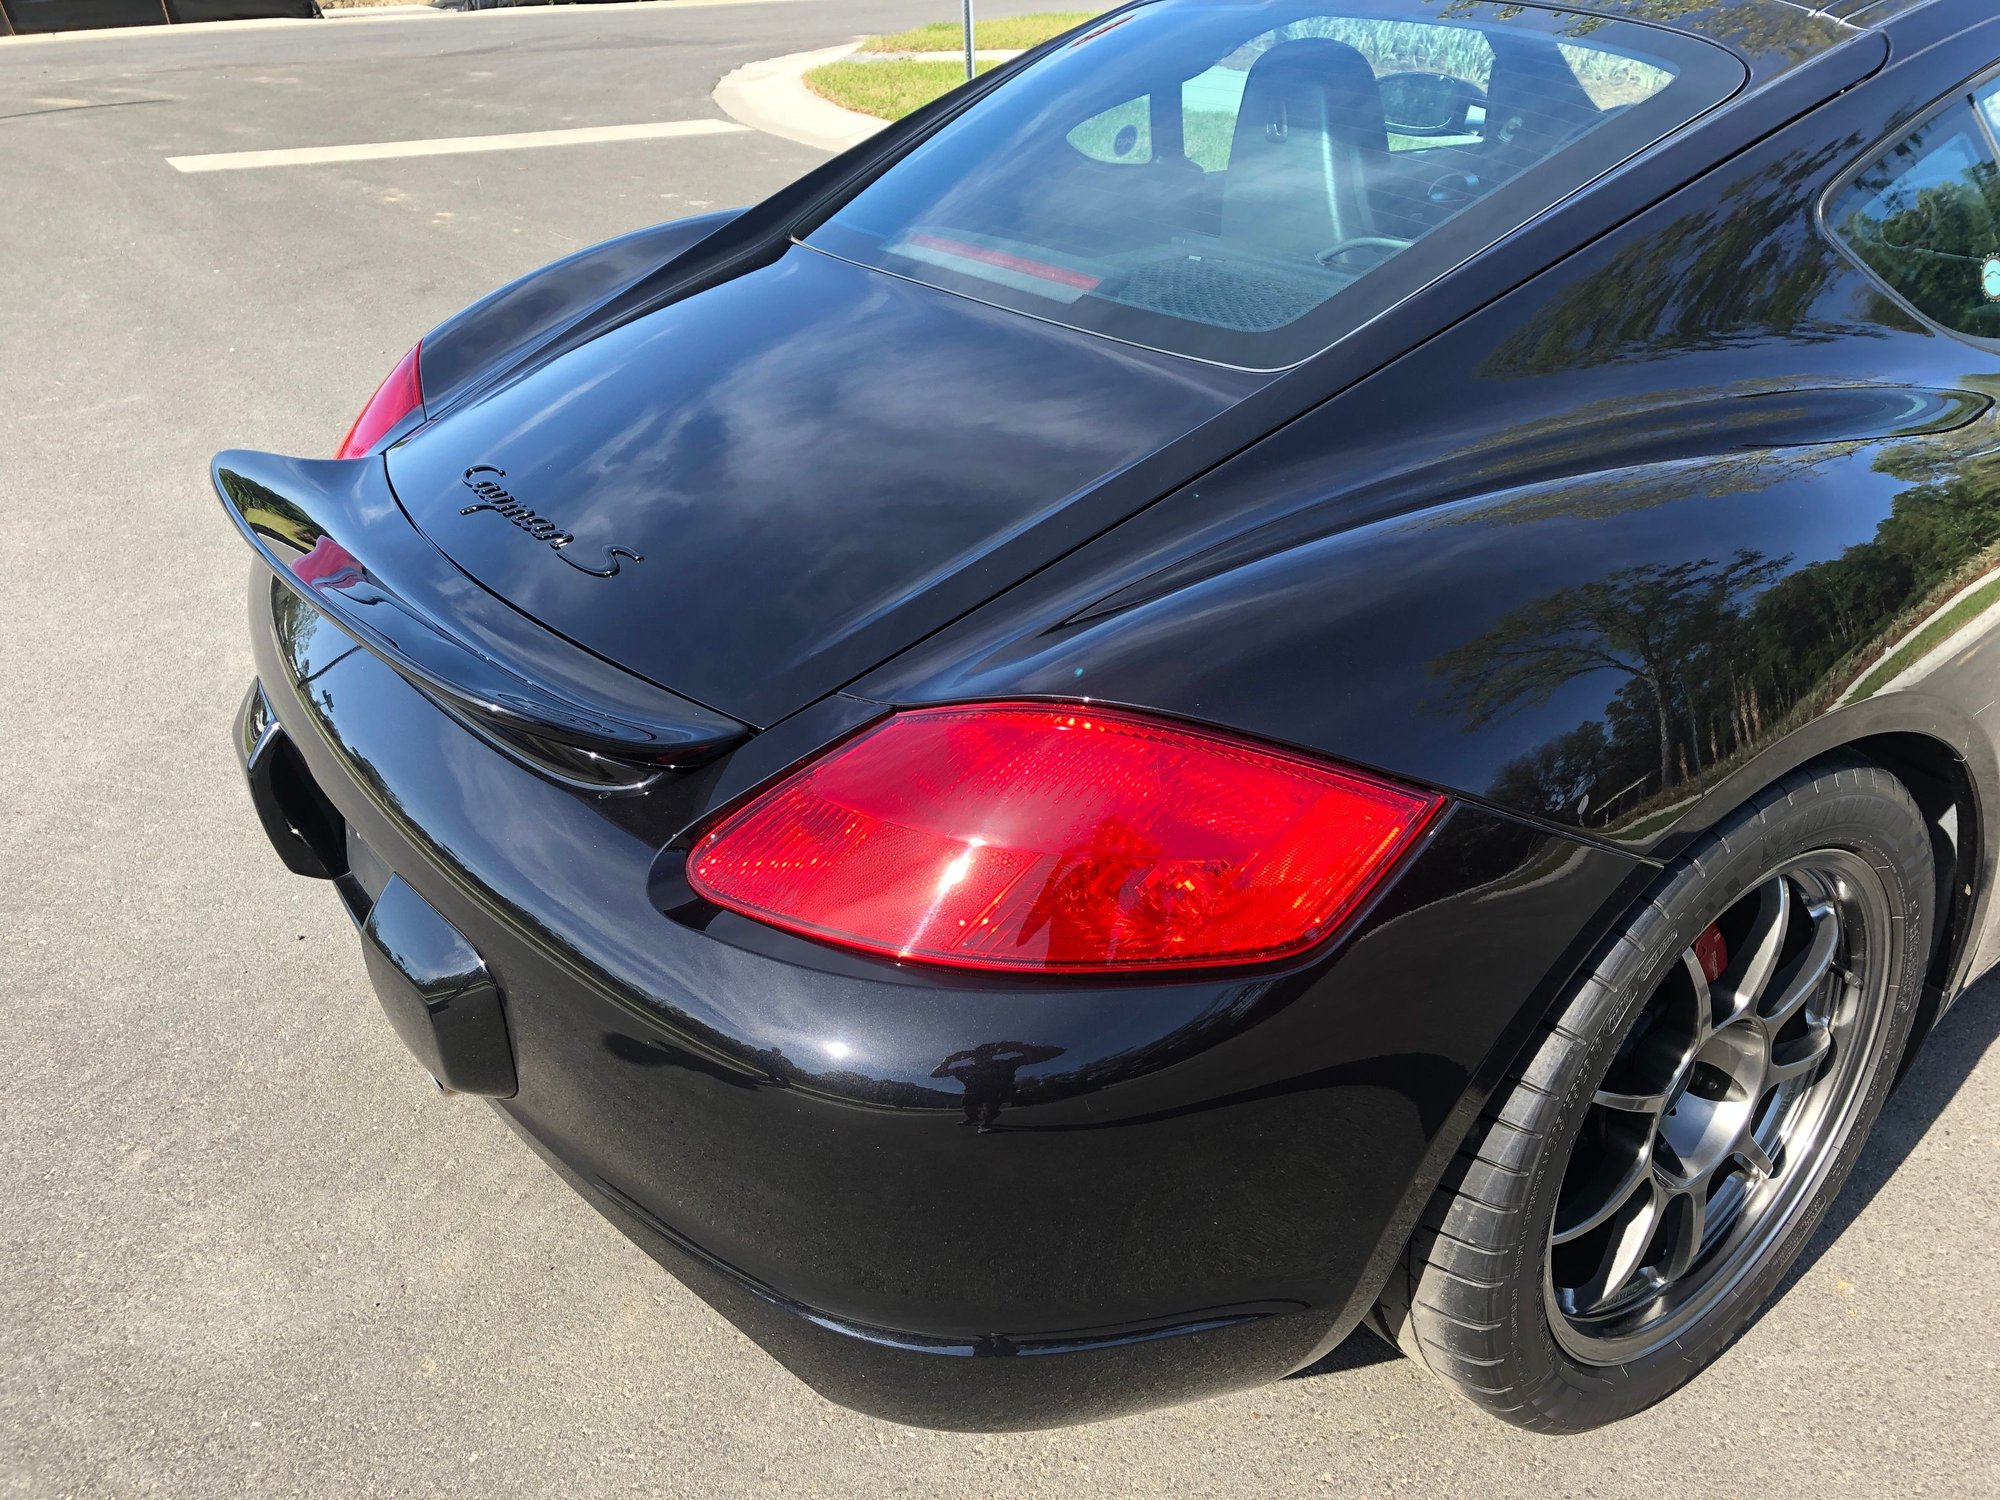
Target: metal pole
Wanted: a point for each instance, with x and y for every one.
(968, 40)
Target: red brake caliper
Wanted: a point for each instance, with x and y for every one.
(1711, 952)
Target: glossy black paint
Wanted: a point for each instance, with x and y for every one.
(521, 319)
(411, 607)
(302, 828)
(755, 594)
(792, 1115)
(730, 482)
(437, 994)
(1661, 497)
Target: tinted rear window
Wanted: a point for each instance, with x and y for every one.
(1247, 183)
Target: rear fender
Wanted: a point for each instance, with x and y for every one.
(502, 328)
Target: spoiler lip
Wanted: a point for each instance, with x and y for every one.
(332, 531)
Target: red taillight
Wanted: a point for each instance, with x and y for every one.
(1033, 836)
(394, 399)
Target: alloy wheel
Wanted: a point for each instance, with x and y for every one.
(1722, 1110)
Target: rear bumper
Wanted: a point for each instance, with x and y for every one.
(1113, 1199)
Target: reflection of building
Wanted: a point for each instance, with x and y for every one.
(82, 15)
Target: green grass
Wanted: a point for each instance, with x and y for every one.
(1938, 630)
(889, 89)
(1011, 33)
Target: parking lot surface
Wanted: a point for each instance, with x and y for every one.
(244, 1248)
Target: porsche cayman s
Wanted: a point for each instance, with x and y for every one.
(1287, 664)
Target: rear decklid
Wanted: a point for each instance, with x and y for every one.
(753, 495)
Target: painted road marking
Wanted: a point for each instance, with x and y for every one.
(308, 156)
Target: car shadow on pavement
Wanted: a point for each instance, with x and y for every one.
(1357, 1351)
(1948, 1057)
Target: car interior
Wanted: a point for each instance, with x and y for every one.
(1247, 216)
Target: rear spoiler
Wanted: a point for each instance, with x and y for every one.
(333, 532)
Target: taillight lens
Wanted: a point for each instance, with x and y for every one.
(1060, 839)
(394, 399)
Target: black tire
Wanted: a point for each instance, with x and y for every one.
(1474, 1298)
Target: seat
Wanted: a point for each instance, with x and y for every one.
(1308, 145)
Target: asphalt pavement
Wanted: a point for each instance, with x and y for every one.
(244, 1248)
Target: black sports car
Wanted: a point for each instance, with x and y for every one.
(1287, 664)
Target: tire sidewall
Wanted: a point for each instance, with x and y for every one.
(1625, 979)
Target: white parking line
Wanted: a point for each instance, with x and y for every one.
(306, 156)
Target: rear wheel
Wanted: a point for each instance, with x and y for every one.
(1641, 1182)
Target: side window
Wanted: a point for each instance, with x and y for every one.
(1122, 134)
(1210, 102)
(1433, 79)
(1925, 217)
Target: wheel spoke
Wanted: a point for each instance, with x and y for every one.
(1761, 946)
(1687, 1213)
(1810, 972)
(1636, 1104)
(1624, 1250)
(1580, 1219)
(1704, 999)
(1801, 1058)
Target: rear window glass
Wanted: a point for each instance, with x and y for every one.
(1247, 183)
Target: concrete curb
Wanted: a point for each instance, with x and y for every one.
(772, 96)
(984, 54)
